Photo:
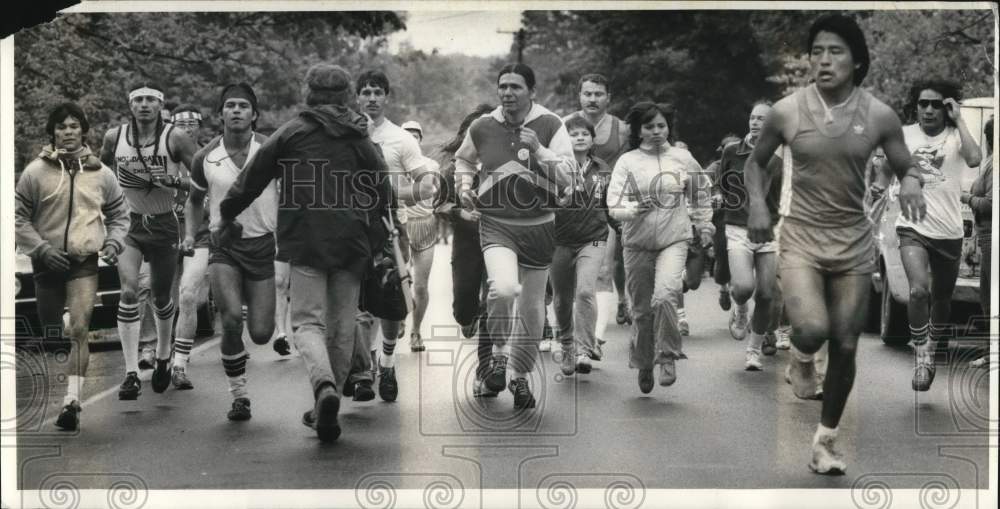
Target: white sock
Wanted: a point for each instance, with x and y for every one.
(128, 334)
(756, 341)
(681, 314)
(822, 430)
(74, 384)
(800, 356)
(238, 386)
(605, 310)
(387, 360)
(182, 350)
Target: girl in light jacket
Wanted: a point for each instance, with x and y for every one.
(650, 191)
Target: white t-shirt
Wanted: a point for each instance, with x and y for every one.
(402, 156)
(216, 173)
(942, 167)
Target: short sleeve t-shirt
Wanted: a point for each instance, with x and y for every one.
(942, 167)
(213, 171)
(402, 157)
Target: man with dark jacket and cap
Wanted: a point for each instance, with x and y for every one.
(332, 182)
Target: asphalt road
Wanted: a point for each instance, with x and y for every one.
(717, 427)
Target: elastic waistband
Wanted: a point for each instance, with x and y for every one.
(547, 217)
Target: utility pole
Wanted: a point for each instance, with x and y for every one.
(521, 36)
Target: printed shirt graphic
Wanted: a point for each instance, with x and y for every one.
(135, 178)
(941, 167)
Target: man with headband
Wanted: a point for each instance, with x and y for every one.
(147, 155)
(241, 263)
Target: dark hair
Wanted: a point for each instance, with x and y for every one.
(521, 69)
(578, 121)
(249, 91)
(850, 32)
(187, 107)
(597, 79)
(372, 78)
(947, 88)
(988, 134)
(60, 113)
(644, 112)
(451, 146)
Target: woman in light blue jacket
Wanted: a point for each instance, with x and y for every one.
(661, 195)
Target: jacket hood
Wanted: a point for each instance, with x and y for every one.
(337, 121)
(83, 156)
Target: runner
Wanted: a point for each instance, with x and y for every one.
(69, 211)
(148, 156)
(328, 247)
(720, 268)
(657, 175)
(468, 269)
(943, 149)
(610, 142)
(827, 251)
(192, 291)
(753, 266)
(522, 146)
(407, 167)
(980, 200)
(241, 263)
(581, 238)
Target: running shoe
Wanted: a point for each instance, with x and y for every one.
(281, 346)
(522, 394)
(363, 390)
(738, 320)
(923, 372)
(388, 389)
(324, 414)
(497, 379)
(596, 353)
(803, 378)
(770, 346)
(683, 327)
(725, 301)
(826, 460)
(180, 379)
(240, 410)
(645, 380)
(161, 375)
(470, 330)
(147, 358)
(567, 362)
(545, 345)
(69, 417)
(480, 390)
(583, 365)
(668, 372)
(753, 361)
(624, 314)
(784, 335)
(416, 343)
(131, 388)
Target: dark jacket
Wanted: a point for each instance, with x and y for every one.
(730, 184)
(448, 204)
(585, 218)
(333, 193)
(981, 200)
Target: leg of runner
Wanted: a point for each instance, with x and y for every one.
(624, 312)
(804, 290)
(765, 270)
(366, 339)
(128, 319)
(80, 296)
(421, 263)
(282, 326)
(147, 322)
(192, 287)
(915, 264)
(324, 313)
(501, 269)
(605, 295)
(944, 276)
(741, 284)
(162, 266)
(227, 288)
(588, 264)
(259, 295)
(531, 313)
(562, 275)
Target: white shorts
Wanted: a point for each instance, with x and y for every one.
(737, 240)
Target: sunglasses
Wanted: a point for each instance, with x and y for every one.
(937, 104)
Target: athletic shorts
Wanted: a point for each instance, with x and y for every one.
(738, 239)
(254, 256)
(153, 233)
(422, 233)
(79, 267)
(832, 251)
(947, 250)
(202, 238)
(534, 245)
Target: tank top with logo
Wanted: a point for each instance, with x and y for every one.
(136, 178)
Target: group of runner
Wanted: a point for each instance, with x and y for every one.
(534, 201)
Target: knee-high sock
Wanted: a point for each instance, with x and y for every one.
(182, 350)
(236, 373)
(164, 329)
(128, 334)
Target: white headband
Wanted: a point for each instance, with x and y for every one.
(187, 115)
(145, 91)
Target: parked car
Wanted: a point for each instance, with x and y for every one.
(891, 288)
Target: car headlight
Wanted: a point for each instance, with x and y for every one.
(17, 287)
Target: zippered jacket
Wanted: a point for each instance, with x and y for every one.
(70, 203)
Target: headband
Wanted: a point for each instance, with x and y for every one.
(145, 91)
(187, 115)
